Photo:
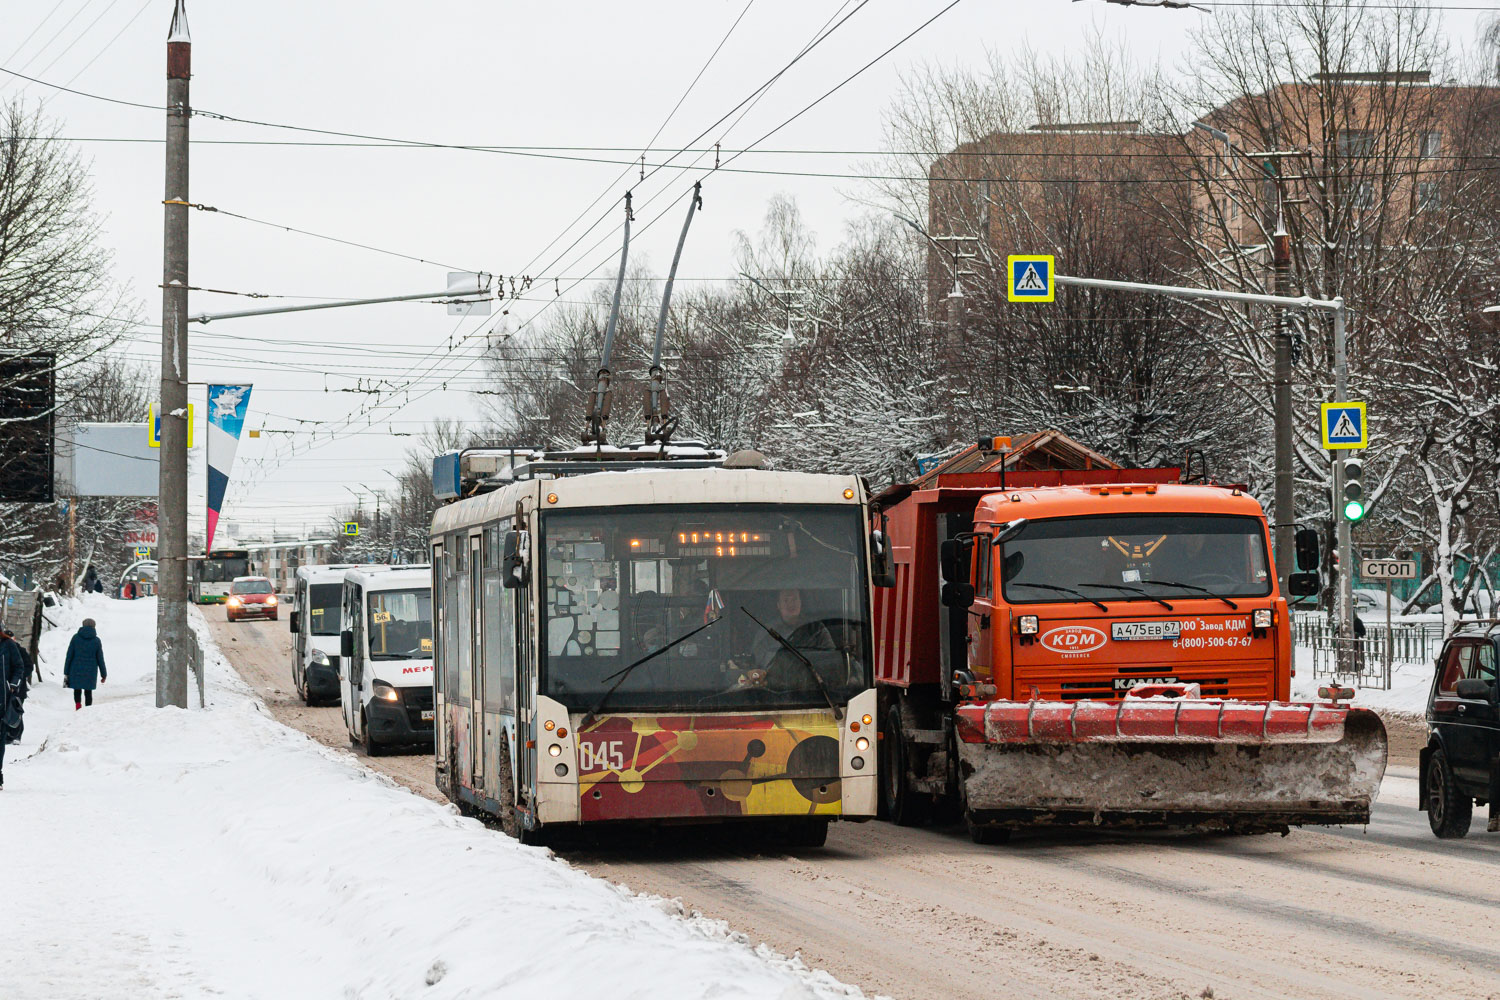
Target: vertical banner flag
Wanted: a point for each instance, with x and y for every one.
(227, 406)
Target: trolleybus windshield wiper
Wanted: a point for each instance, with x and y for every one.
(1130, 590)
(838, 714)
(1061, 590)
(624, 672)
(1201, 590)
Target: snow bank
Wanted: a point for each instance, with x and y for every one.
(169, 853)
(1410, 683)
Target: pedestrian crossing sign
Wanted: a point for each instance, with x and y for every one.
(1344, 426)
(1030, 277)
(351, 528)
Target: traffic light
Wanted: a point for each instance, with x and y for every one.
(1354, 490)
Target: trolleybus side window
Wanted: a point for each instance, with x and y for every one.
(460, 646)
(703, 593)
(499, 624)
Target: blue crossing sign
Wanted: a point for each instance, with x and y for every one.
(1344, 425)
(1030, 277)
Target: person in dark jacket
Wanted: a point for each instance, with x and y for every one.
(84, 666)
(12, 677)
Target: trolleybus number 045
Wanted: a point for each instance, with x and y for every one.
(602, 756)
(1145, 630)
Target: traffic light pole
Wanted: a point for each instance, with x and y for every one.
(1343, 602)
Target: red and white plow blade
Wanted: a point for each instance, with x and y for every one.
(1163, 762)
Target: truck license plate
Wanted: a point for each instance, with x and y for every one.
(1145, 630)
(428, 715)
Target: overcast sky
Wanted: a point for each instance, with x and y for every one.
(541, 74)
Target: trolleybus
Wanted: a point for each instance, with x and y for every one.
(656, 644)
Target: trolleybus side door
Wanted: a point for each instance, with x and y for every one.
(476, 658)
(526, 666)
(440, 736)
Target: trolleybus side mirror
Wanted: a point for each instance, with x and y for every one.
(296, 622)
(882, 565)
(1303, 585)
(1307, 549)
(346, 643)
(515, 568)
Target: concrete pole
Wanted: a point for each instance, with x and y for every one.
(1286, 497)
(172, 636)
(1344, 596)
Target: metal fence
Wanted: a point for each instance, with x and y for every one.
(195, 663)
(1370, 655)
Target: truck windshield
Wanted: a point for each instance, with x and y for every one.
(323, 600)
(400, 624)
(621, 584)
(1116, 558)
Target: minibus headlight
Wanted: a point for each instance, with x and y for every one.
(1027, 625)
(386, 692)
(1261, 618)
(319, 657)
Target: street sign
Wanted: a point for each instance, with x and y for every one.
(153, 427)
(1031, 277)
(141, 552)
(1388, 569)
(1344, 425)
(351, 528)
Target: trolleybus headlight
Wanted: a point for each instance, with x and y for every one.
(561, 770)
(385, 692)
(1261, 618)
(554, 749)
(861, 744)
(858, 763)
(1027, 625)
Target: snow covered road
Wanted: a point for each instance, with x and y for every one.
(160, 853)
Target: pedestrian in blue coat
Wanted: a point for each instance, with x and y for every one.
(12, 685)
(84, 666)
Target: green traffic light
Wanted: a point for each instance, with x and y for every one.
(1354, 510)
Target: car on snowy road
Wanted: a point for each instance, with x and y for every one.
(250, 597)
(1459, 765)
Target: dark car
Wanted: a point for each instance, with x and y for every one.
(1459, 765)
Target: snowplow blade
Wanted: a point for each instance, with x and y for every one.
(1188, 764)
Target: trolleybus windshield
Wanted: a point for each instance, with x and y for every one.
(1134, 557)
(323, 605)
(400, 624)
(620, 584)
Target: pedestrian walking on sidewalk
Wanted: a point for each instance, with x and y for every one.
(84, 667)
(13, 670)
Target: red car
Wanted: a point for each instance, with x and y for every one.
(250, 597)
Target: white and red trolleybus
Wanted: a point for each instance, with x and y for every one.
(626, 635)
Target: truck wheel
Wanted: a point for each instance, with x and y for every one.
(902, 805)
(1449, 811)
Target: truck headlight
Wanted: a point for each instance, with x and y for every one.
(1261, 618)
(385, 692)
(1028, 625)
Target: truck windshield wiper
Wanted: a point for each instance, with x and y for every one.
(838, 715)
(1130, 590)
(625, 671)
(1201, 590)
(1061, 590)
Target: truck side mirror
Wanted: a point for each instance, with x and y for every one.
(953, 557)
(957, 595)
(515, 568)
(882, 564)
(346, 643)
(1308, 549)
(1303, 584)
(296, 622)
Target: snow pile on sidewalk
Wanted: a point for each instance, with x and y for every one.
(1410, 683)
(156, 853)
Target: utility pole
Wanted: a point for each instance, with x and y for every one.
(172, 638)
(1286, 490)
(1343, 603)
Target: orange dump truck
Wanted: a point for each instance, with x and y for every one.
(1100, 647)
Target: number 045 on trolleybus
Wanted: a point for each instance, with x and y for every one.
(623, 636)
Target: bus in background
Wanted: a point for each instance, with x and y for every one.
(385, 657)
(212, 575)
(672, 641)
(317, 620)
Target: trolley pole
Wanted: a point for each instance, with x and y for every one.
(172, 639)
